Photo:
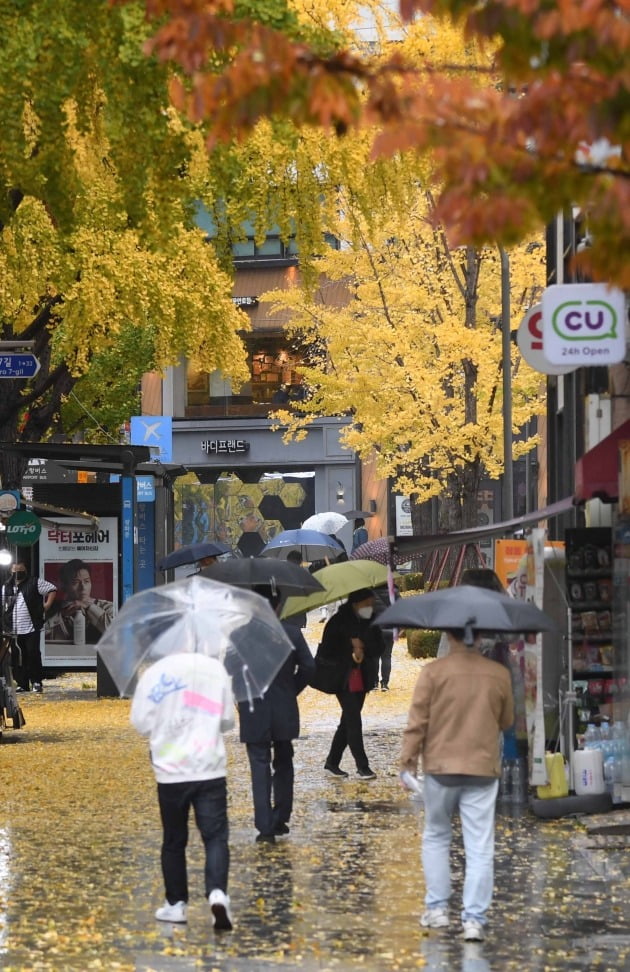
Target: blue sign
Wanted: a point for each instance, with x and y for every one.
(145, 487)
(155, 431)
(22, 365)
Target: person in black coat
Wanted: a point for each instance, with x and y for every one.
(268, 730)
(382, 601)
(351, 646)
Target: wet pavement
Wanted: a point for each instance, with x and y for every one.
(80, 877)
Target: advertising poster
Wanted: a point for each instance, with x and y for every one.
(404, 526)
(82, 562)
(507, 558)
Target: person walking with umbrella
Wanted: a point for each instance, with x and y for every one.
(351, 647)
(459, 705)
(268, 727)
(184, 704)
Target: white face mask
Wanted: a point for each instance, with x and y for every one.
(365, 612)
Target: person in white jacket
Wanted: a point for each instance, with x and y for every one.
(184, 704)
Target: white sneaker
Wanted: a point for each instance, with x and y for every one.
(219, 903)
(177, 913)
(435, 918)
(473, 931)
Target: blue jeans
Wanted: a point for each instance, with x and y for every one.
(476, 806)
(208, 799)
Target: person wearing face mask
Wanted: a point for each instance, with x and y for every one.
(26, 599)
(353, 647)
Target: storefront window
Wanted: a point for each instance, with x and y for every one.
(275, 381)
(241, 513)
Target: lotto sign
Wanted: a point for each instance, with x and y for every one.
(584, 324)
(529, 338)
(23, 528)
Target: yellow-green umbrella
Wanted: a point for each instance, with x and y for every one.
(338, 581)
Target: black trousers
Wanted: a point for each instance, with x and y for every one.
(208, 799)
(349, 731)
(272, 783)
(27, 660)
(386, 657)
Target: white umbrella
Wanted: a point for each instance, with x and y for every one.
(329, 522)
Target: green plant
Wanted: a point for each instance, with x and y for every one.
(411, 582)
(423, 644)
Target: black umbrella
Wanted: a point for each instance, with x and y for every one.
(192, 553)
(280, 575)
(467, 607)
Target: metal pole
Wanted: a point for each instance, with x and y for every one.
(506, 359)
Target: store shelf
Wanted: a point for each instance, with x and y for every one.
(583, 673)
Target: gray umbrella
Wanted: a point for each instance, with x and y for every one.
(466, 607)
(280, 575)
(192, 553)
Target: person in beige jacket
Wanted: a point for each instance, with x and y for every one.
(460, 704)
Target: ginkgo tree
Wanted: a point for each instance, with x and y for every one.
(550, 131)
(415, 355)
(102, 271)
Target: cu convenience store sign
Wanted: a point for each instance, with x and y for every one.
(584, 324)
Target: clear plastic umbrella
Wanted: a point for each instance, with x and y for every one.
(329, 522)
(198, 615)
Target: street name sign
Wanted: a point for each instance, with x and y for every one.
(20, 365)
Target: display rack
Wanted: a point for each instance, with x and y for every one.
(589, 579)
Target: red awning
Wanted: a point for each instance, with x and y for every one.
(597, 471)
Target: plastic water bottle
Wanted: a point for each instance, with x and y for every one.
(411, 783)
(79, 628)
(618, 738)
(605, 736)
(612, 778)
(592, 737)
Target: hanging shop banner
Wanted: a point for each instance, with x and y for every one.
(507, 557)
(535, 593)
(82, 562)
(584, 324)
(530, 340)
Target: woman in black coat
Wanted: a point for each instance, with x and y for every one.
(351, 649)
(268, 730)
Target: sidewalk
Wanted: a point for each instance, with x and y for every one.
(79, 860)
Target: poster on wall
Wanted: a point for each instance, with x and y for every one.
(82, 562)
(404, 526)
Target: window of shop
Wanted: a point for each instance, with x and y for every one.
(275, 381)
(244, 508)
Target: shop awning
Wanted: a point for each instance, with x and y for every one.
(413, 545)
(597, 471)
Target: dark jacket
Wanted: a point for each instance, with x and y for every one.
(276, 716)
(34, 601)
(335, 649)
